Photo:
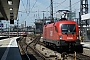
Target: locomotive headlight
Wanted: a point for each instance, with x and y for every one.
(60, 37)
(77, 37)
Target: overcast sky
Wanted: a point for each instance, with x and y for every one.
(29, 10)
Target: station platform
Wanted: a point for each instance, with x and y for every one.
(9, 49)
(86, 44)
(86, 48)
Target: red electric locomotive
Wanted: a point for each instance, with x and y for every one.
(64, 35)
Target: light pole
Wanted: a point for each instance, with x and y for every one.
(17, 26)
(8, 29)
(51, 11)
(70, 10)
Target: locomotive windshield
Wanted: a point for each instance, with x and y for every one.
(68, 28)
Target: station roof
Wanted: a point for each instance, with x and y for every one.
(85, 17)
(9, 9)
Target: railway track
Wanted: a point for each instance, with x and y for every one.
(24, 54)
(79, 56)
(82, 57)
(32, 46)
(29, 49)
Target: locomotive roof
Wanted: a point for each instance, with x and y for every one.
(61, 22)
(67, 21)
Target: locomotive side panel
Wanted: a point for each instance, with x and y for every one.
(53, 35)
(50, 33)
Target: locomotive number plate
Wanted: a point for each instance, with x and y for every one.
(69, 37)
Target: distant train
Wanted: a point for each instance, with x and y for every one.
(62, 35)
(14, 33)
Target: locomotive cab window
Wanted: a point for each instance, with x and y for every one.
(68, 28)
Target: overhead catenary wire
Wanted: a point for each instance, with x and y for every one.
(27, 3)
(29, 6)
(23, 5)
(30, 9)
(72, 4)
(68, 6)
(78, 8)
(34, 4)
(27, 11)
(57, 5)
(60, 3)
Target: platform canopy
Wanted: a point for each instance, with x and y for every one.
(85, 17)
(9, 9)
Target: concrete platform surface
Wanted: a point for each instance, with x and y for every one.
(9, 49)
(86, 44)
